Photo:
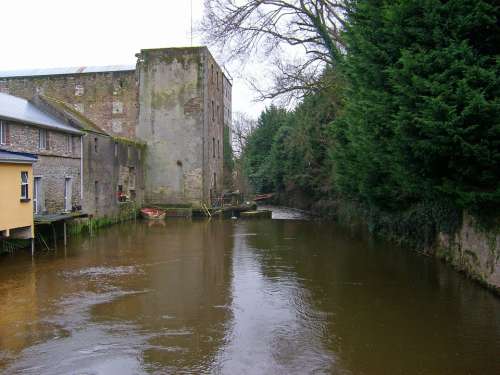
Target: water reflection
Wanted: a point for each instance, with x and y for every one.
(251, 297)
(133, 299)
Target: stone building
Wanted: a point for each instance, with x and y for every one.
(25, 128)
(175, 100)
(113, 173)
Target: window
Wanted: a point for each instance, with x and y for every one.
(218, 149)
(120, 194)
(69, 144)
(213, 147)
(212, 73)
(218, 113)
(96, 192)
(3, 133)
(24, 186)
(215, 182)
(43, 139)
(131, 178)
(79, 90)
(95, 144)
(213, 111)
(68, 194)
(117, 107)
(37, 195)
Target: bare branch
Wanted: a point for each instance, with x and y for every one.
(267, 29)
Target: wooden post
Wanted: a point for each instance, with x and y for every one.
(65, 240)
(55, 237)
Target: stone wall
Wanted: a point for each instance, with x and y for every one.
(228, 87)
(171, 123)
(474, 251)
(214, 128)
(107, 98)
(176, 101)
(60, 161)
(108, 163)
(53, 172)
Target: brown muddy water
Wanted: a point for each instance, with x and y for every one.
(241, 297)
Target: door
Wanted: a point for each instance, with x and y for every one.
(67, 194)
(37, 195)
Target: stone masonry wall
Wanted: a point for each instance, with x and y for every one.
(214, 128)
(171, 123)
(111, 163)
(54, 165)
(474, 251)
(109, 98)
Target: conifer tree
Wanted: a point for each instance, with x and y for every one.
(422, 110)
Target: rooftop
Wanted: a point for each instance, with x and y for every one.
(22, 110)
(63, 71)
(17, 157)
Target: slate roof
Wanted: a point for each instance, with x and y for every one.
(63, 71)
(17, 157)
(21, 110)
(81, 120)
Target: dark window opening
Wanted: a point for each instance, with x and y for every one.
(213, 147)
(95, 144)
(96, 192)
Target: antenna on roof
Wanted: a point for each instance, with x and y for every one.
(191, 23)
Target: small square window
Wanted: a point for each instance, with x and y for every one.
(79, 90)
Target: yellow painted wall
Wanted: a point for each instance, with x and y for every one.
(13, 212)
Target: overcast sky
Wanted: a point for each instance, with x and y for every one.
(64, 33)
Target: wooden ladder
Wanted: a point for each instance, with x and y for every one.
(205, 208)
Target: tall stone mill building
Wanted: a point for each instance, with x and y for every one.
(175, 100)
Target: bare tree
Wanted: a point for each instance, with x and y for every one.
(308, 30)
(242, 127)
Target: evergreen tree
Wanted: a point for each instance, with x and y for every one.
(422, 110)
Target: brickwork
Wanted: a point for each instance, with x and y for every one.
(53, 172)
(59, 162)
(108, 98)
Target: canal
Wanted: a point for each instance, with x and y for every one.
(241, 297)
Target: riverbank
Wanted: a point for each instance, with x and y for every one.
(463, 243)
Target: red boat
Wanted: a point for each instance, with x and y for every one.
(153, 213)
(263, 197)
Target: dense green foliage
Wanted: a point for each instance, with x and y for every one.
(289, 151)
(422, 113)
(416, 135)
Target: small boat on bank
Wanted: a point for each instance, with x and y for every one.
(153, 214)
